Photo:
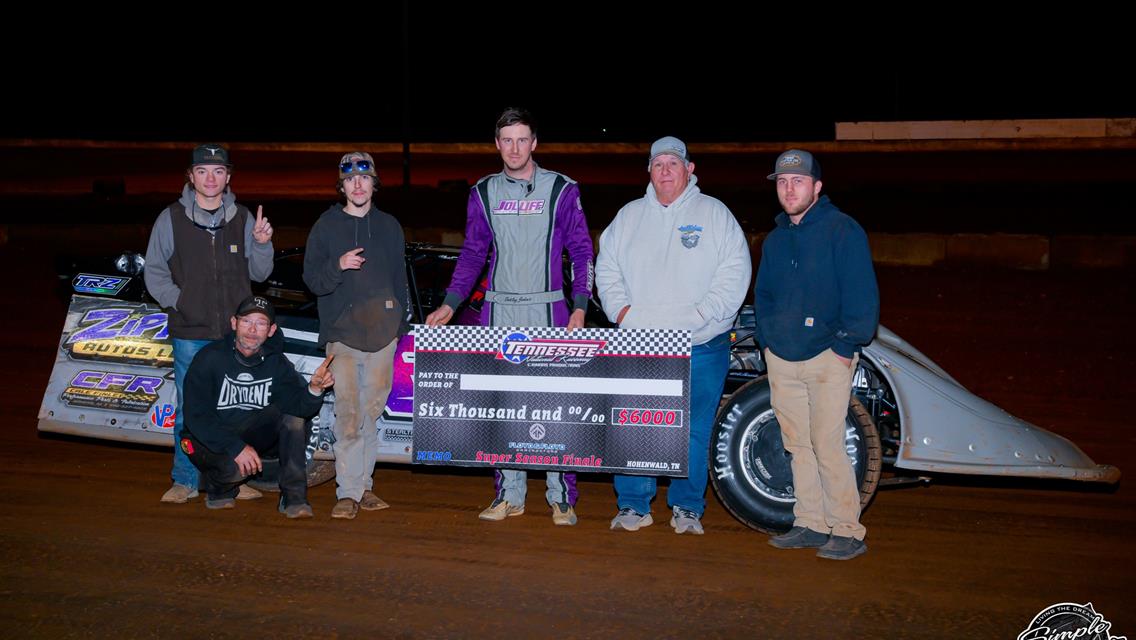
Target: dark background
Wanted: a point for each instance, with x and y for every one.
(623, 72)
(356, 76)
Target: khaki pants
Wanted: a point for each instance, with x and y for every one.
(362, 384)
(810, 399)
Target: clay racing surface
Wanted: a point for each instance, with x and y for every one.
(86, 550)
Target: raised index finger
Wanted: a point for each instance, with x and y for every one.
(259, 213)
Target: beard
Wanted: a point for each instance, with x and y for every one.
(800, 206)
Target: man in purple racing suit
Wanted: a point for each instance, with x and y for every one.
(529, 216)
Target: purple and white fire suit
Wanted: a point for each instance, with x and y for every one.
(529, 224)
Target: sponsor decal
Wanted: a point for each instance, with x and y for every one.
(121, 335)
(519, 207)
(1069, 621)
(244, 392)
(519, 348)
(123, 352)
(434, 455)
(691, 233)
(109, 324)
(102, 285)
(162, 416)
(400, 401)
(112, 391)
(537, 432)
(392, 434)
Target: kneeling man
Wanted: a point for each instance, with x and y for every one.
(244, 400)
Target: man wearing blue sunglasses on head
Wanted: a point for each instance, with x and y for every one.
(355, 263)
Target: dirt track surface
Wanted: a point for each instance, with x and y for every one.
(86, 550)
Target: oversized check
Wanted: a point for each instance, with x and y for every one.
(614, 400)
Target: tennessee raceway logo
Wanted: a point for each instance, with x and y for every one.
(1069, 621)
(518, 348)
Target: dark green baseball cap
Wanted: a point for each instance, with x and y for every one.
(210, 154)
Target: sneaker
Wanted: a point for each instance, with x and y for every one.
(685, 520)
(248, 493)
(220, 503)
(293, 511)
(563, 514)
(631, 520)
(799, 538)
(179, 494)
(372, 502)
(842, 548)
(500, 510)
(345, 508)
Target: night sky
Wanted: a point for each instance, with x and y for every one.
(590, 75)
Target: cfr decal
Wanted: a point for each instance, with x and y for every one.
(112, 391)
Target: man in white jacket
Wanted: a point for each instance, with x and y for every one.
(676, 259)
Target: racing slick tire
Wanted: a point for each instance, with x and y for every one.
(750, 469)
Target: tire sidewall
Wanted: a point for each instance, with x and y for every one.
(733, 473)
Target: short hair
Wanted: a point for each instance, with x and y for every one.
(362, 155)
(515, 115)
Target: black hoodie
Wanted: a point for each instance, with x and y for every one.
(363, 308)
(223, 386)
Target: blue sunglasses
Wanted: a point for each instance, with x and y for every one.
(359, 166)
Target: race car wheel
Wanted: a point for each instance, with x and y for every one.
(750, 469)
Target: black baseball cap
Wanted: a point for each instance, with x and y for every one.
(257, 304)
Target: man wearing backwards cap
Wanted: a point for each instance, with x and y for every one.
(816, 303)
(203, 250)
(530, 217)
(244, 399)
(676, 258)
(355, 263)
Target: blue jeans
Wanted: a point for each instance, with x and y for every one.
(183, 472)
(709, 363)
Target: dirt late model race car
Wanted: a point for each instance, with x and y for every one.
(113, 379)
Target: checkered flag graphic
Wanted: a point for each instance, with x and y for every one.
(629, 342)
